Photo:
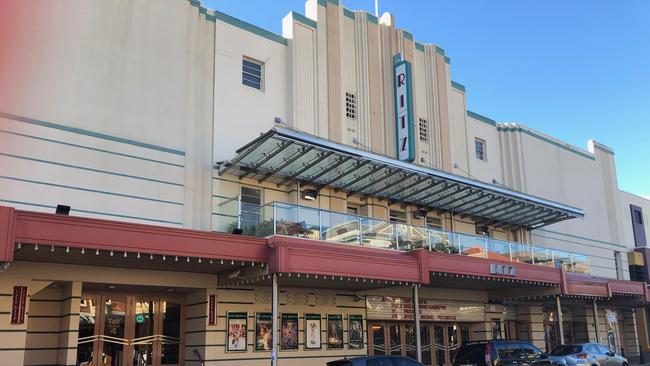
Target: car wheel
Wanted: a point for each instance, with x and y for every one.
(625, 364)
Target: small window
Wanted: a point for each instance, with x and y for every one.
(434, 222)
(252, 73)
(352, 210)
(479, 146)
(350, 105)
(638, 217)
(251, 200)
(482, 230)
(424, 130)
(397, 216)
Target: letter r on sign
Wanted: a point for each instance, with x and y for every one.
(400, 79)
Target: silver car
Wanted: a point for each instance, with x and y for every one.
(586, 354)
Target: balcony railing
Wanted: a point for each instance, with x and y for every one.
(277, 218)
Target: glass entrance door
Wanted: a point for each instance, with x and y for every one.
(439, 341)
(129, 331)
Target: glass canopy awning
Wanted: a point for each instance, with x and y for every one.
(282, 155)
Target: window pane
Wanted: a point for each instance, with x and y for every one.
(397, 216)
(256, 71)
(252, 81)
(251, 195)
(252, 74)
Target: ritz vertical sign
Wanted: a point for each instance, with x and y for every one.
(403, 88)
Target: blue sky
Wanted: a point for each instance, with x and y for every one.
(575, 69)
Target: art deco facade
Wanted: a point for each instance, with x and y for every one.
(214, 168)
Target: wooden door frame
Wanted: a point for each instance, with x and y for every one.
(129, 322)
(102, 322)
(371, 338)
(181, 345)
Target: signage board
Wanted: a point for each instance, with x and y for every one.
(212, 310)
(400, 308)
(404, 125)
(18, 302)
(503, 270)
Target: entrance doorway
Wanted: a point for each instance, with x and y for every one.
(439, 340)
(124, 330)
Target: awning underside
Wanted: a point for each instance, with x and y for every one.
(282, 156)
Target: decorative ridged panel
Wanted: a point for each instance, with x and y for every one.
(363, 78)
(305, 100)
(429, 81)
(512, 161)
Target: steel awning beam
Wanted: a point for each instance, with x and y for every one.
(507, 204)
(491, 200)
(454, 198)
(416, 186)
(359, 178)
(411, 196)
(511, 212)
(474, 198)
(241, 155)
(342, 160)
(417, 182)
(531, 217)
(452, 190)
(491, 205)
(308, 166)
(301, 152)
(390, 185)
(281, 146)
(542, 219)
(355, 166)
(372, 183)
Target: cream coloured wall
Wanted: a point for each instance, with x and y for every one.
(241, 112)
(488, 170)
(84, 91)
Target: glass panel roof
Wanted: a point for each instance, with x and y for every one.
(283, 155)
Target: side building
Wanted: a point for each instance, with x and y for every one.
(178, 185)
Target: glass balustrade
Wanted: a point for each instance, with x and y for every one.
(442, 242)
(472, 246)
(279, 218)
(521, 253)
(498, 249)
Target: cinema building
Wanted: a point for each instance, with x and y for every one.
(174, 179)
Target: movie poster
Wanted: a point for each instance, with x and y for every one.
(237, 332)
(289, 331)
(312, 331)
(355, 331)
(334, 331)
(263, 331)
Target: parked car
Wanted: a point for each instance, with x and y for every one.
(586, 354)
(500, 353)
(375, 361)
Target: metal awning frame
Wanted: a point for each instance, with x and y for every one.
(324, 163)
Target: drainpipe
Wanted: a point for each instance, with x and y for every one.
(274, 326)
(416, 316)
(596, 325)
(560, 325)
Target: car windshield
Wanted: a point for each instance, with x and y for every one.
(470, 353)
(568, 349)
